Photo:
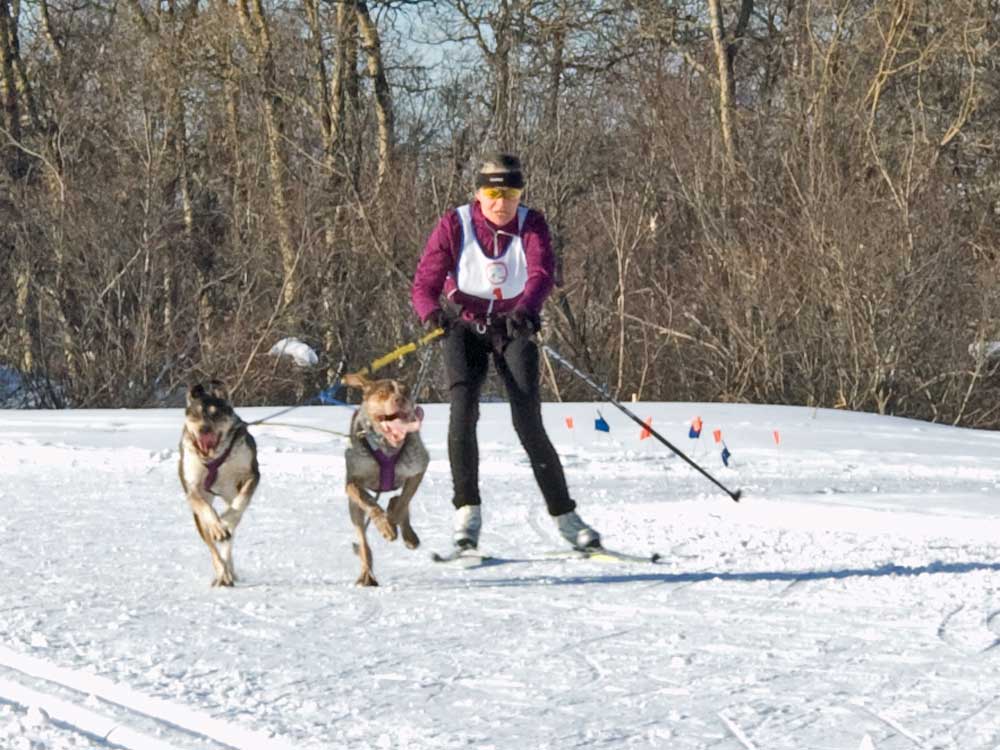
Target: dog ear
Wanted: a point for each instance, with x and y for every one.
(356, 380)
(196, 392)
(218, 389)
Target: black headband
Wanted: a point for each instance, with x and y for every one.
(500, 180)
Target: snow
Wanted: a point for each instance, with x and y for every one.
(849, 600)
(985, 349)
(301, 353)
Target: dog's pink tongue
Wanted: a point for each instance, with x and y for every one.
(207, 441)
(396, 430)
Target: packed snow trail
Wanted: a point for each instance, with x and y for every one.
(850, 597)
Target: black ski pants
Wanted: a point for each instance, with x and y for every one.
(467, 354)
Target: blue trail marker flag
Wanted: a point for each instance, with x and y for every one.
(600, 424)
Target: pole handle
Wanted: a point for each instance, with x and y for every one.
(401, 351)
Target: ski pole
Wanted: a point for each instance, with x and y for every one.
(603, 392)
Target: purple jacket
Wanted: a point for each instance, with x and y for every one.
(435, 271)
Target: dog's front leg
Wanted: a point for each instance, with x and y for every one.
(399, 511)
(234, 513)
(365, 502)
(209, 523)
(360, 521)
(231, 519)
(204, 517)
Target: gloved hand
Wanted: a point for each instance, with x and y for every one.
(437, 319)
(522, 322)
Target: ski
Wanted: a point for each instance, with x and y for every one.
(467, 556)
(472, 558)
(602, 554)
(610, 555)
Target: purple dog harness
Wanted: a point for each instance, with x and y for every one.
(214, 465)
(386, 469)
(386, 461)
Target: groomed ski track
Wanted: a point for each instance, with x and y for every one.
(850, 597)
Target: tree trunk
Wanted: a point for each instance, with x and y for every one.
(343, 172)
(498, 58)
(49, 31)
(349, 95)
(323, 88)
(372, 46)
(14, 159)
(557, 67)
(503, 79)
(344, 82)
(22, 303)
(726, 48)
(725, 81)
(330, 109)
(178, 126)
(255, 29)
(168, 34)
(234, 135)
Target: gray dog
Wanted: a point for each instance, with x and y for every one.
(385, 454)
(218, 458)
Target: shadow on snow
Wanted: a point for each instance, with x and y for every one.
(787, 576)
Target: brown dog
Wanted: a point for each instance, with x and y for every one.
(218, 458)
(385, 453)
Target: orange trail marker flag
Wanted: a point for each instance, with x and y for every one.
(777, 438)
(603, 392)
(717, 434)
(569, 422)
(646, 432)
(695, 431)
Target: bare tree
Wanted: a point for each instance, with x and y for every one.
(184, 182)
(372, 47)
(496, 31)
(257, 35)
(15, 161)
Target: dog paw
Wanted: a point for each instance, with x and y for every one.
(231, 519)
(225, 580)
(410, 538)
(212, 526)
(385, 527)
(366, 579)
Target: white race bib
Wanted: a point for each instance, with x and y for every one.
(485, 277)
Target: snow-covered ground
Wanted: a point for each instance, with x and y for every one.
(849, 601)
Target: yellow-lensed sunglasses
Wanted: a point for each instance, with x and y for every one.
(502, 193)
